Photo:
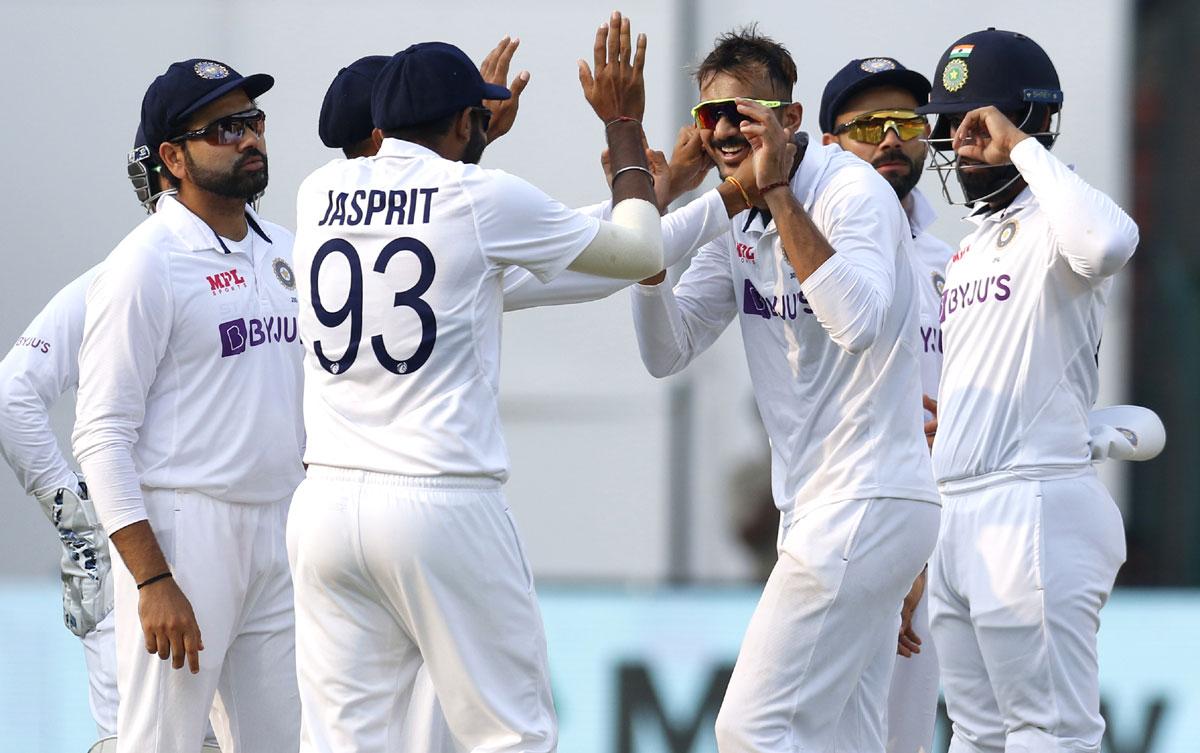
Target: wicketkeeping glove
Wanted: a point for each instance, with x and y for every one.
(87, 589)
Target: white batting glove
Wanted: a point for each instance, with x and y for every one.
(85, 564)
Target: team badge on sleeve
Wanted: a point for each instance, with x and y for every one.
(284, 274)
(939, 282)
(1007, 232)
(954, 75)
(210, 70)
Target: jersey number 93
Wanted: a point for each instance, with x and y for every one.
(352, 309)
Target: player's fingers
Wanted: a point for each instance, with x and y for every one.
(639, 57)
(613, 38)
(598, 47)
(506, 56)
(177, 650)
(164, 644)
(585, 77)
(518, 84)
(489, 60)
(191, 649)
(626, 44)
(929, 403)
(151, 639)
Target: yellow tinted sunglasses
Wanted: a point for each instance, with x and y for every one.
(872, 127)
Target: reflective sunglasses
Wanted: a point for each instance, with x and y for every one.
(710, 112)
(228, 130)
(872, 127)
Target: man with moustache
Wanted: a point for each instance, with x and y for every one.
(868, 108)
(818, 275)
(189, 430)
(1031, 541)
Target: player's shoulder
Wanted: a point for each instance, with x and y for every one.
(846, 172)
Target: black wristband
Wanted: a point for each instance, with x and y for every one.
(155, 579)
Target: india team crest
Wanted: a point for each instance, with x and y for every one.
(284, 274)
(877, 65)
(939, 282)
(1130, 435)
(954, 75)
(1007, 232)
(210, 70)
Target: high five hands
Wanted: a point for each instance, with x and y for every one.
(615, 88)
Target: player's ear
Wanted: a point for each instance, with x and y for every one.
(792, 115)
(464, 124)
(171, 157)
(827, 139)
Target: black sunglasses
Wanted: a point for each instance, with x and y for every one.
(227, 130)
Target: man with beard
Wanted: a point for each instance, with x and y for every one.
(189, 433)
(869, 109)
(400, 540)
(1030, 541)
(818, 274)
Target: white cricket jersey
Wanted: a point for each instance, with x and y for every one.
(1021, 321)
(834, 366)
(190, 360)
(400, 260)
(930, 256)
(42, 365)
(683, 231)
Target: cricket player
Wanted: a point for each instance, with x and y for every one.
(1030, 540)
(869, 109)
(188, 430)
(819, 276)
(402, 547)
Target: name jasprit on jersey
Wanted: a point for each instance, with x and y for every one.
(364, 206)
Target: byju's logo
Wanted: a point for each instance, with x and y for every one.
(225, 282)
(788, 307)
(239, 334)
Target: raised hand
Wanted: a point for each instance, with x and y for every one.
(494, 70)
(689, 163)
(616, 88)
(987, 135)
(659, 168)
(771, 143)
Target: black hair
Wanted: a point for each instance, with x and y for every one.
(424, 132)
(744, 52)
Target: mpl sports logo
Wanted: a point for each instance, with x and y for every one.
(225, 282)
(239, 334)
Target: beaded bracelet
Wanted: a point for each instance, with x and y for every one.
(763, 191)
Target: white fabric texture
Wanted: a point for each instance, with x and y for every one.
(100, 655)
(41, 367)
(629, 247)
(930, 257)
(684, 230)
(392, 572)
(189, 358)
(1022, 318)
(913, 698)
(1018, 579)
(412, 388)
(844, 419)
(823, 636)
(230, 561)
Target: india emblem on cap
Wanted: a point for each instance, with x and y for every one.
(954, 75)
(210, 70)
(877, 65)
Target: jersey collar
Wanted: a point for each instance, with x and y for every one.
(401, 148)
(982, 214)
(813, 161)
(194, 232)
(921, 213)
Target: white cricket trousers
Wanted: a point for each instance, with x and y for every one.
(913, 698)
(1020, 573)
(100, 655)
(396, 572)
(230, 561)
(813, 672)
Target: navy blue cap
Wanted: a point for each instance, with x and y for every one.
(1000, 68)
(425, 82)
(141, 152)
(346, 111)
(867, 73)
(186, 87)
